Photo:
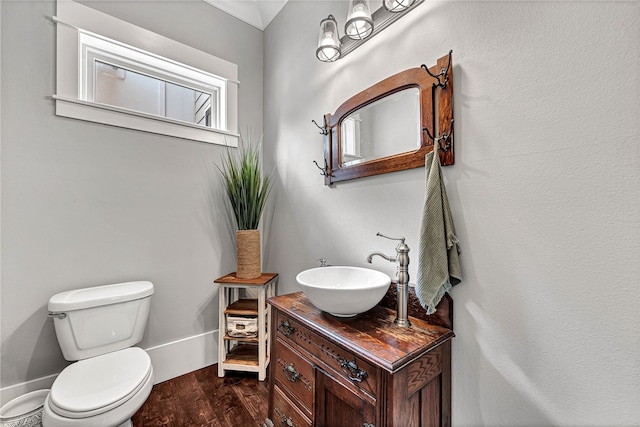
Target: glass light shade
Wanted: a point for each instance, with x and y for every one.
(397, 5)
(359, 23)
(328, 41)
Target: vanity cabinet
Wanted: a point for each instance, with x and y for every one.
(362, 371)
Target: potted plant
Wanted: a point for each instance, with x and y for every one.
(247, 189)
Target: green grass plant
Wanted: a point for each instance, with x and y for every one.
(246, 185)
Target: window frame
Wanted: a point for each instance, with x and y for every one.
(85, 34)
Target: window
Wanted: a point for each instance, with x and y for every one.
(351, 141)
(173, 89)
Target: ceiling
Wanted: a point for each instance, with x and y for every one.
(258, 13)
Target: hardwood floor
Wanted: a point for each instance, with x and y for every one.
(200, 398)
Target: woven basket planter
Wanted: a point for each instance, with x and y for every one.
(248, 254)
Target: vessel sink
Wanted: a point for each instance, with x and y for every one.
(343, 291)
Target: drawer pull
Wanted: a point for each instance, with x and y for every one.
(290, 373)
(286, 421)
(285, 328)
(351, 369)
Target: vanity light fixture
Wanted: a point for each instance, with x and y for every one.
(359, 23)
(361, 26)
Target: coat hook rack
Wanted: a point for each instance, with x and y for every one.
(441, 77)
(324, 171)
(444, 140)
(323, 130)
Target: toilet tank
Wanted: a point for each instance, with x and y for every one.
(101, 319)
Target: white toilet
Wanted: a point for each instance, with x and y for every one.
(111, 379)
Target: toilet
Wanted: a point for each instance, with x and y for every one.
(111, 379)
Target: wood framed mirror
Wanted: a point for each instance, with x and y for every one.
(390, 126)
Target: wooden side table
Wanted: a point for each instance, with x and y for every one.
(245, 354)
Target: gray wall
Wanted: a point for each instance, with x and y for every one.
(85, 204)
(545, 193)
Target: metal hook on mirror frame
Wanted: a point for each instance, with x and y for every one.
(442, 75)
(324, 171)
(323, 130)
(444, 141)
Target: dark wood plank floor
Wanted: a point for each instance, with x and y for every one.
(200, 398)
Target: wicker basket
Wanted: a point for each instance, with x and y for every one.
(248, 254)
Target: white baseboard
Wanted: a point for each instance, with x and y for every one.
(169, 360)
(177, 358)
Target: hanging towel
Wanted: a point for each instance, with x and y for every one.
(438, 261)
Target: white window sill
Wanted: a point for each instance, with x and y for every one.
(106, 114)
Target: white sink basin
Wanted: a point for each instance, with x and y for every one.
(343, 291)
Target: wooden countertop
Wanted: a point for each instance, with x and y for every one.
(372, 334)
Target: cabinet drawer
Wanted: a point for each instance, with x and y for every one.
(353, 369)
(285, 412)
(295, 374)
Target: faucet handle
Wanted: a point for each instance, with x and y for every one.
(401, 239)
(323, 262)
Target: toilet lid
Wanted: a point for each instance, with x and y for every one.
(98, 384)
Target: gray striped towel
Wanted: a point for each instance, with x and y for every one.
(438, 261)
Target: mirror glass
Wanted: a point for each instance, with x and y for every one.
(382, 128)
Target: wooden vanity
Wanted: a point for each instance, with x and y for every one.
(362, 371)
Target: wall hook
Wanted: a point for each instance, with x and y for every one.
(442, 77)
(444, 141)
(323, 130)
(324, 171)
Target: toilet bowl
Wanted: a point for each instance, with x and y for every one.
(110, 379)
(103, 391)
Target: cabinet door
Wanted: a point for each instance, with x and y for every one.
(338, 406)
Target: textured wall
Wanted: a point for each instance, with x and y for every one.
(545, 193)
(85, 204)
